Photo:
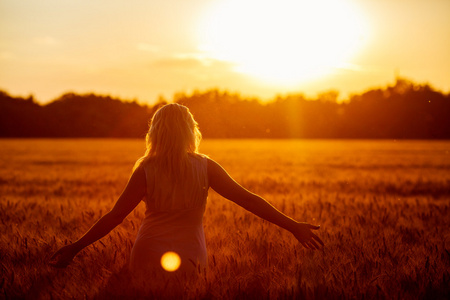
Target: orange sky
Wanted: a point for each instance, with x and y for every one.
(143, 49)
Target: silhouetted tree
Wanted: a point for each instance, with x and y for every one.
(404, 110)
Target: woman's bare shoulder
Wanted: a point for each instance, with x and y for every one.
(198, 155)
(214, 168)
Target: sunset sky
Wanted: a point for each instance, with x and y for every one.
(142, 49)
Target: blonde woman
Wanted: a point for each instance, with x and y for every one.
(173, 179)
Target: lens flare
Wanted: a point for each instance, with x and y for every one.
(170, 261)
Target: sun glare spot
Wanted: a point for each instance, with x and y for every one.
(170, 261)
(282, 40)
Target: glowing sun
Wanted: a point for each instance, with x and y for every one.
(286, 41)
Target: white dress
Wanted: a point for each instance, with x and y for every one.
(173, 221)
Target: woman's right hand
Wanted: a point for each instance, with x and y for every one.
(306, 237)
(64, 256)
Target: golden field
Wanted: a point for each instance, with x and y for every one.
(384, 208)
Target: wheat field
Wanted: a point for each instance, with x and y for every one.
(383, 207)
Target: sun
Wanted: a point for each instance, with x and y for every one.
(284, 41)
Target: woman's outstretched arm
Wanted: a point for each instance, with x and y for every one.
(128, 200)
(222, 183)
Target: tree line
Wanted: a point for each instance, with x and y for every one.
(404, 110)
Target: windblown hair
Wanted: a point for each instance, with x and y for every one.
(172, 139)
(173, 134)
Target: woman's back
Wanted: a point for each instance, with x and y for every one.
(164, 193)
(173, 219)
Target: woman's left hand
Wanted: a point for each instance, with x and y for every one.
(64, 256)
(306, 237)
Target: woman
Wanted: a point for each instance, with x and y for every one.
(174, 180)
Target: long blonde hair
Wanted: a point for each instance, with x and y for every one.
(172, 136)
(173, 132)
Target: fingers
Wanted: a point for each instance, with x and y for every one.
(305, 245)
(315, 241)
(59, 264)
(56, 254)
(315, 237)
(314, 244)
(59, 258)
(308, 239)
